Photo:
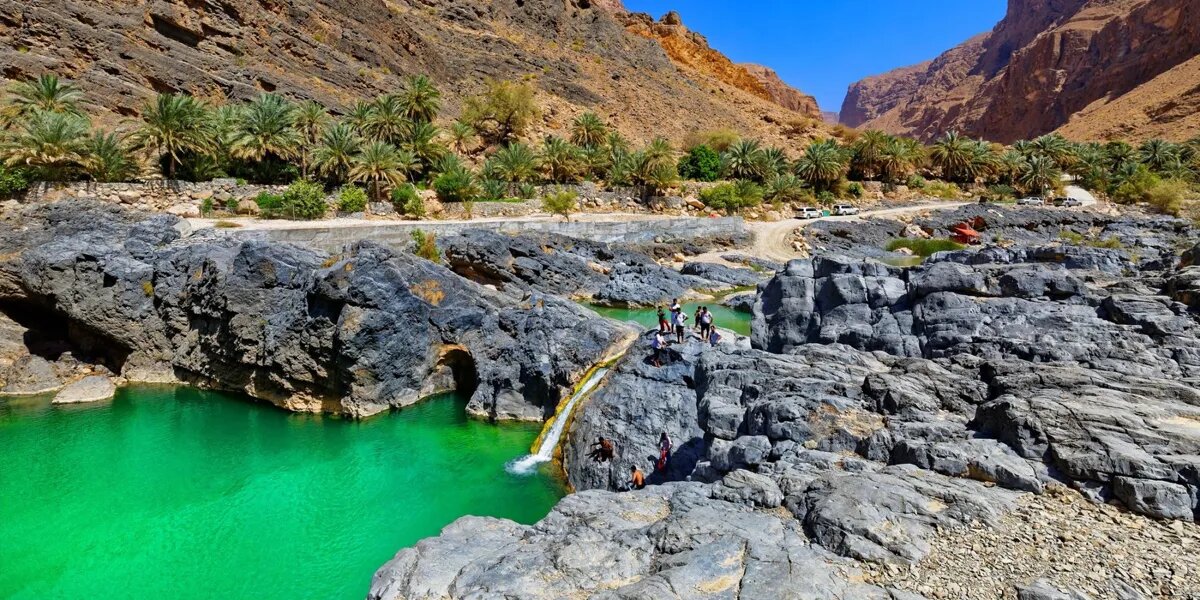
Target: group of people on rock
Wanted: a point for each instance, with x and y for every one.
(603, 450)
(675, 322)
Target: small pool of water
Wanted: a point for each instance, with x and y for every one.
(180, 493)
(724, 317)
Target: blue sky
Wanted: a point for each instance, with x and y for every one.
(822, 46)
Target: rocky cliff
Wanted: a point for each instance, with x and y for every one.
(353, 333)
(1091, 68)
(335, 51)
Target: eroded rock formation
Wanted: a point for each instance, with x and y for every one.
(354, 333)
(1091, 68)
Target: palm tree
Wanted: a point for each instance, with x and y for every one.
(377, 165)
(46, 93)
(335, 153)
(462, 135)
(359, 116)
(822, 164)
(983, 161)
(311, 119)
(1119, 153)
(744, 160)
(898, 158)
(588, 130)
(408, 163)
(784, 188)
(659, 152)
(386, 121)
(1056, 147)
(774, 162)
(267, 128)
(868, 152)
(1159, 155)
(420, 99)
(173, 124)
(107, 157)
(50, 142)
(561, 160)
(420, 138)
(514, 163)
(1009, 165)
(952, 155)
(1039, 174)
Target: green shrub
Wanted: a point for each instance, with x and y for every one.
(826, 197)
(456, 185)
(1070, 237)
(352, 199)
(999, 193)
(700, 164)
(855, 189)
(492, 189)
(1109, 242)
(1168, 196)
(562, 203)
(206, 207)
(403, 195)
(732, 197)
(942, 190)
(916, 182)
(924, 247)
(304, 200)
(526, 191)
(1136, 186)
(425, 246)
(12, 181)
(268, 203)
(231, 205)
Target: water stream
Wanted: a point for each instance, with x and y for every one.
(528, 464)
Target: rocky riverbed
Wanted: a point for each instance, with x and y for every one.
(1019, 420)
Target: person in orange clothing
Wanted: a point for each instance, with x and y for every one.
(637, 481)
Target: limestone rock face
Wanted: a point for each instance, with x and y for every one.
(354, 333)
(1090, 68)
(89, 389)
(782, 93)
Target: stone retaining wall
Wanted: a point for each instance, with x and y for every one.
(632, 232)
(152, 195)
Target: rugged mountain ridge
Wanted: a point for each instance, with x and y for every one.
(1089, 68)
(578, 52)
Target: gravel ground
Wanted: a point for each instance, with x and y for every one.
(1099, 550)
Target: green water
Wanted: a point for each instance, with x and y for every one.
(723, 317)
(178, 493)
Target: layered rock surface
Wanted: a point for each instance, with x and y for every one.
(881, 416)
(354, 333)
(1092, 68)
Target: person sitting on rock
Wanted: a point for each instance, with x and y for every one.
(664, 326)
(602, 450)
(680, 326)
(713, 337)
(637, 480)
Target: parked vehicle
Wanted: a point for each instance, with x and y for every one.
(1067, 202)
(807, 212)
(1031, 201)
(843, 210)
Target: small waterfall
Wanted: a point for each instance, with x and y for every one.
(528, 463)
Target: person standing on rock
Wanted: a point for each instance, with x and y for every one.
(664, 451)
(658, 343)
(706, 323)
(680, 325)
(697, 319)
(664, 326)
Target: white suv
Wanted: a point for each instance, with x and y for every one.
(1031, 201)
(807, 212)
(843, 210)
